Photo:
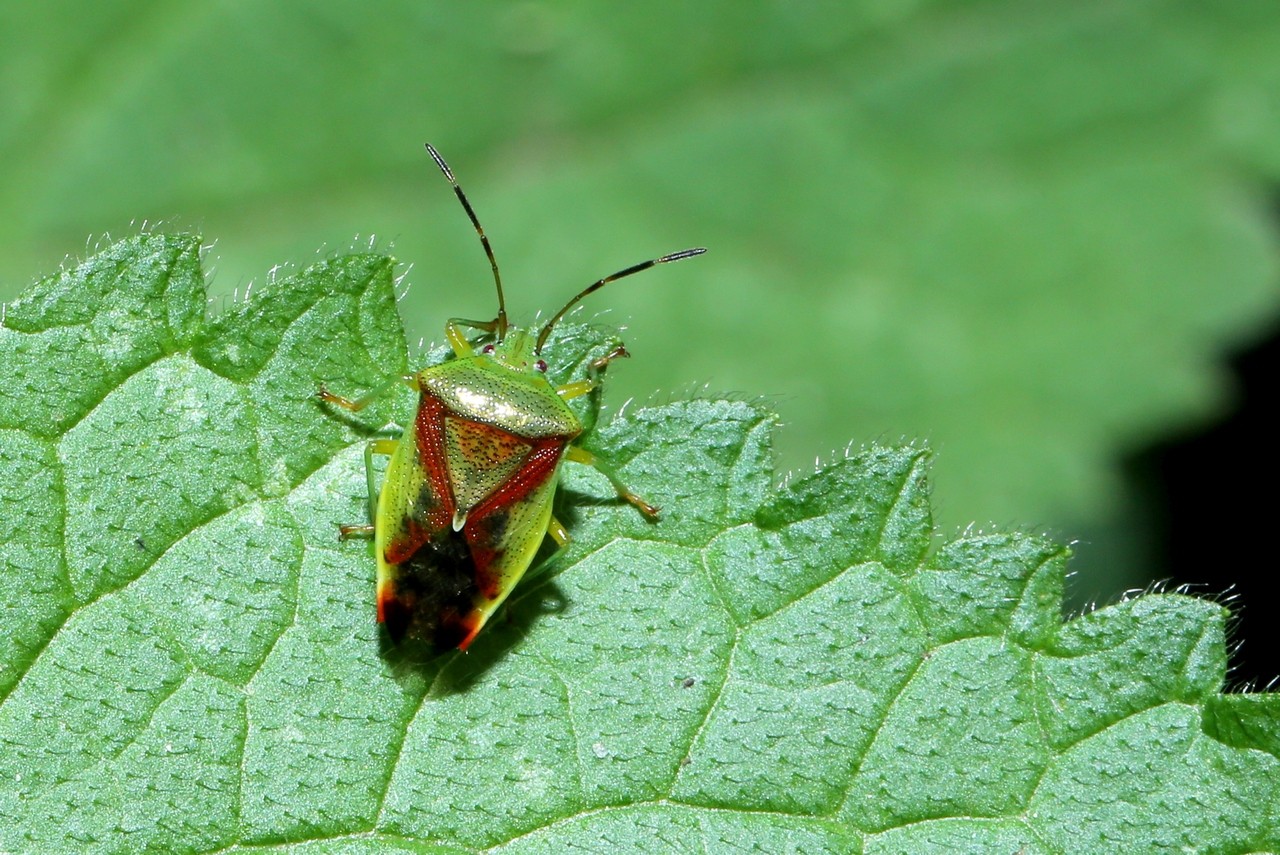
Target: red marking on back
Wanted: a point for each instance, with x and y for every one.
(429, 427)
(540, 465)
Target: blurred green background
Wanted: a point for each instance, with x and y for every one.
(1026, 232)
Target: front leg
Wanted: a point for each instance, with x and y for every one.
(578, 388)
(461, 345)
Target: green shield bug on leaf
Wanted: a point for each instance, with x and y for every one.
(466, 498)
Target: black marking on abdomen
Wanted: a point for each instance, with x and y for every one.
(436, 589)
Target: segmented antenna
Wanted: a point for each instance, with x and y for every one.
(500, 322)
(600, 283)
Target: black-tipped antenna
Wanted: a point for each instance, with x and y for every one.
(500, 322)
(600, 283)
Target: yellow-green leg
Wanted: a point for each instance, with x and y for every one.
(377, 446)
(560, 535)
(355, 405)
(462, 347)
(591, 384)
(578, 388)
(581, 455)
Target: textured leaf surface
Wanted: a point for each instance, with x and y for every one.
(191, 664)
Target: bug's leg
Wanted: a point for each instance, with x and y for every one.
(348, 531)
(599, 364)
(460, 343)
(560, 535)
(591, 385)
(578, 388)
(377, 446)
(581, 455)
(355, 405)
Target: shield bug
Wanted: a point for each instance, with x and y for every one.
(466, 499)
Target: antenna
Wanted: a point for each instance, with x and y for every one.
(600, 283)
(500, 322)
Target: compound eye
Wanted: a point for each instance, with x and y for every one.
(488, 348)
(541, 365)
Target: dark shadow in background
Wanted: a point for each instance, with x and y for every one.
(1211, 498)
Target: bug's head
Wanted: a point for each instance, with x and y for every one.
(516, 351)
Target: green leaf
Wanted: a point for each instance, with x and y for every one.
(191, 662)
